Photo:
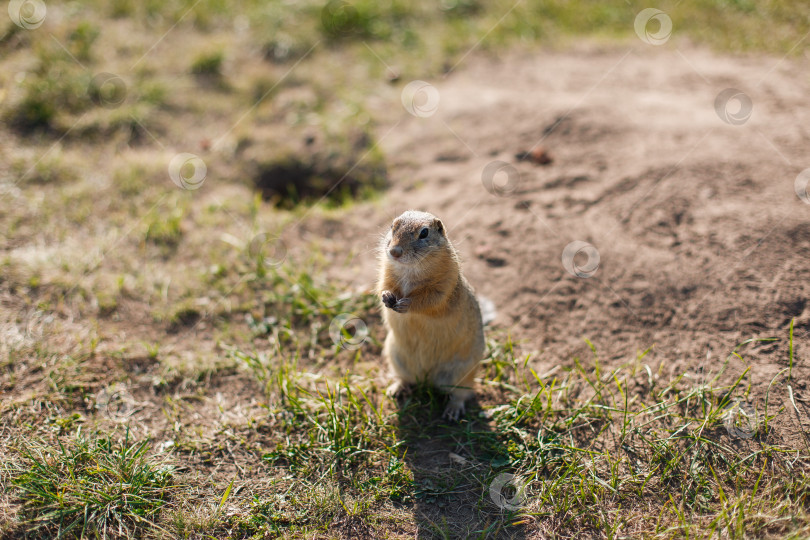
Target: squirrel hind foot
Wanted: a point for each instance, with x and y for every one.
(454, 410)
(398, 389)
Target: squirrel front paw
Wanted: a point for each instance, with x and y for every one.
(400, 305)
(388, 299)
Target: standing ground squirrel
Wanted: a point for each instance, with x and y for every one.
(435, 331)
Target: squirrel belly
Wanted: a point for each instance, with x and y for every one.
(443, 349)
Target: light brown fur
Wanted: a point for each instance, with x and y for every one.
(435, 332)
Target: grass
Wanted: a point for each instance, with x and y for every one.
(592, 450)
(208, 64)
(212, 309)
(91, 487)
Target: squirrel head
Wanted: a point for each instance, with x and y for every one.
(413, 237)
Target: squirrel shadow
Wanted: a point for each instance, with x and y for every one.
(452, 465)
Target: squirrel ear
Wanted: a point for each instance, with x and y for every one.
(439, 226)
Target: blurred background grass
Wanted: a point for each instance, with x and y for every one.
(209, 75)
(211, 39)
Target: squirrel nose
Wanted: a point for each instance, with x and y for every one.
(396, 252)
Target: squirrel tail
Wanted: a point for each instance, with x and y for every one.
(487, 307)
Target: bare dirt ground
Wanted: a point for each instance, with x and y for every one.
(702, 240)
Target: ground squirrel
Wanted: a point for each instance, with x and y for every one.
(435, 331)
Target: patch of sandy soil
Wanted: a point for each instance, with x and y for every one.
(701, 237)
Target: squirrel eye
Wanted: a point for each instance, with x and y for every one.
(424, 233)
